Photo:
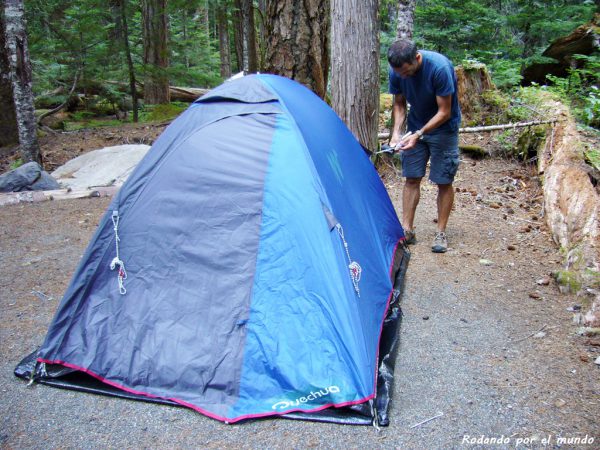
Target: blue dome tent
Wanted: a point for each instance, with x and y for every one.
(251, 265)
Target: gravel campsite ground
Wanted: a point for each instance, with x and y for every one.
(485, 352)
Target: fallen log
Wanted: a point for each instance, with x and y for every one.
(13, 198)
(177, 93)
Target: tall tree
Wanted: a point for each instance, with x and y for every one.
(17, 50)
(222, 25)
(238, 35)
(262, 33)
(406, 17)
(355, 74)
(250, 61)
(130, 66)
(156, 51)
(9, 132)
(297, 41)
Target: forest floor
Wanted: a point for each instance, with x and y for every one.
(486, 350)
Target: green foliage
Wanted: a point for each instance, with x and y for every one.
(161, 113)
(16, 164)
(506, 35)
(580, 89)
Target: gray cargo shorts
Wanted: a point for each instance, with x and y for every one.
(441, 149)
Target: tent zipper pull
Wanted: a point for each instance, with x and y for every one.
(121, 274)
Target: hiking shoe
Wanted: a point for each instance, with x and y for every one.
(410, 237)
(440, 243)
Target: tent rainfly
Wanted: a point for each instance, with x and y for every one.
(252, 265)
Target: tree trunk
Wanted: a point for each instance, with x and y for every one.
(355, 67)
(132, 81)
(156, 53)
(298, 41)
(9, 132)
(406, 15)
(238, 35)
(262, 34)
(20, 73)
(224, 42)
(249, 37)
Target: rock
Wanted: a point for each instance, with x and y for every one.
(495, 205)
(543, 281)
(510, 211)
(560, 403)
(589, 332)
(28, 177)
(539, 334)
(592, 317)
(109, 166)
(485, 262)
(511, 247)
(535, 295)
(45, 182)
(574, 308)
(597, 361)
(584, 358)
(425, 317)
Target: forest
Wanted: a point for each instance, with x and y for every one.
(118, 58)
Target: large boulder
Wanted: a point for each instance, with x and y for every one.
(28, 177)
(109, 166)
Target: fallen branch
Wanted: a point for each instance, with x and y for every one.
(13, 198)
(507, 126)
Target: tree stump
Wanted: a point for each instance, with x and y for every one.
(473, 80)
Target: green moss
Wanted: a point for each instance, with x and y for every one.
(16, 164)
(161, 113)
(592, 157)
(569, 280)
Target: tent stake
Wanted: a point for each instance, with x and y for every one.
(427, 420)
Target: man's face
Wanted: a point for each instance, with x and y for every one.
(408, 69)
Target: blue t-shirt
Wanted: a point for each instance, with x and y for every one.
(435, 77)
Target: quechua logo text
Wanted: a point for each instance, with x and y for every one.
(312, 396)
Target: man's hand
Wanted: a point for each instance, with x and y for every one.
(407, 142)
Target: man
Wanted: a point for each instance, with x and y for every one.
(426, 80)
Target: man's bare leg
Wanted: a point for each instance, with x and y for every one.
(411, 195)
(445, 201)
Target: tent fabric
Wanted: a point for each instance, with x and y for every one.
(262, 256)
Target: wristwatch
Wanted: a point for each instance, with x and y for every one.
(419, 133)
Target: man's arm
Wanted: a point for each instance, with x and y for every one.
(443, 114)
(398, 119)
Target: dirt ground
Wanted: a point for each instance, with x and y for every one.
(488, 348)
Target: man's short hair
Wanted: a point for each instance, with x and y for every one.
(402, 51)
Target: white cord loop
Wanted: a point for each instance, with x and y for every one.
(121, 274)
(355, 269)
